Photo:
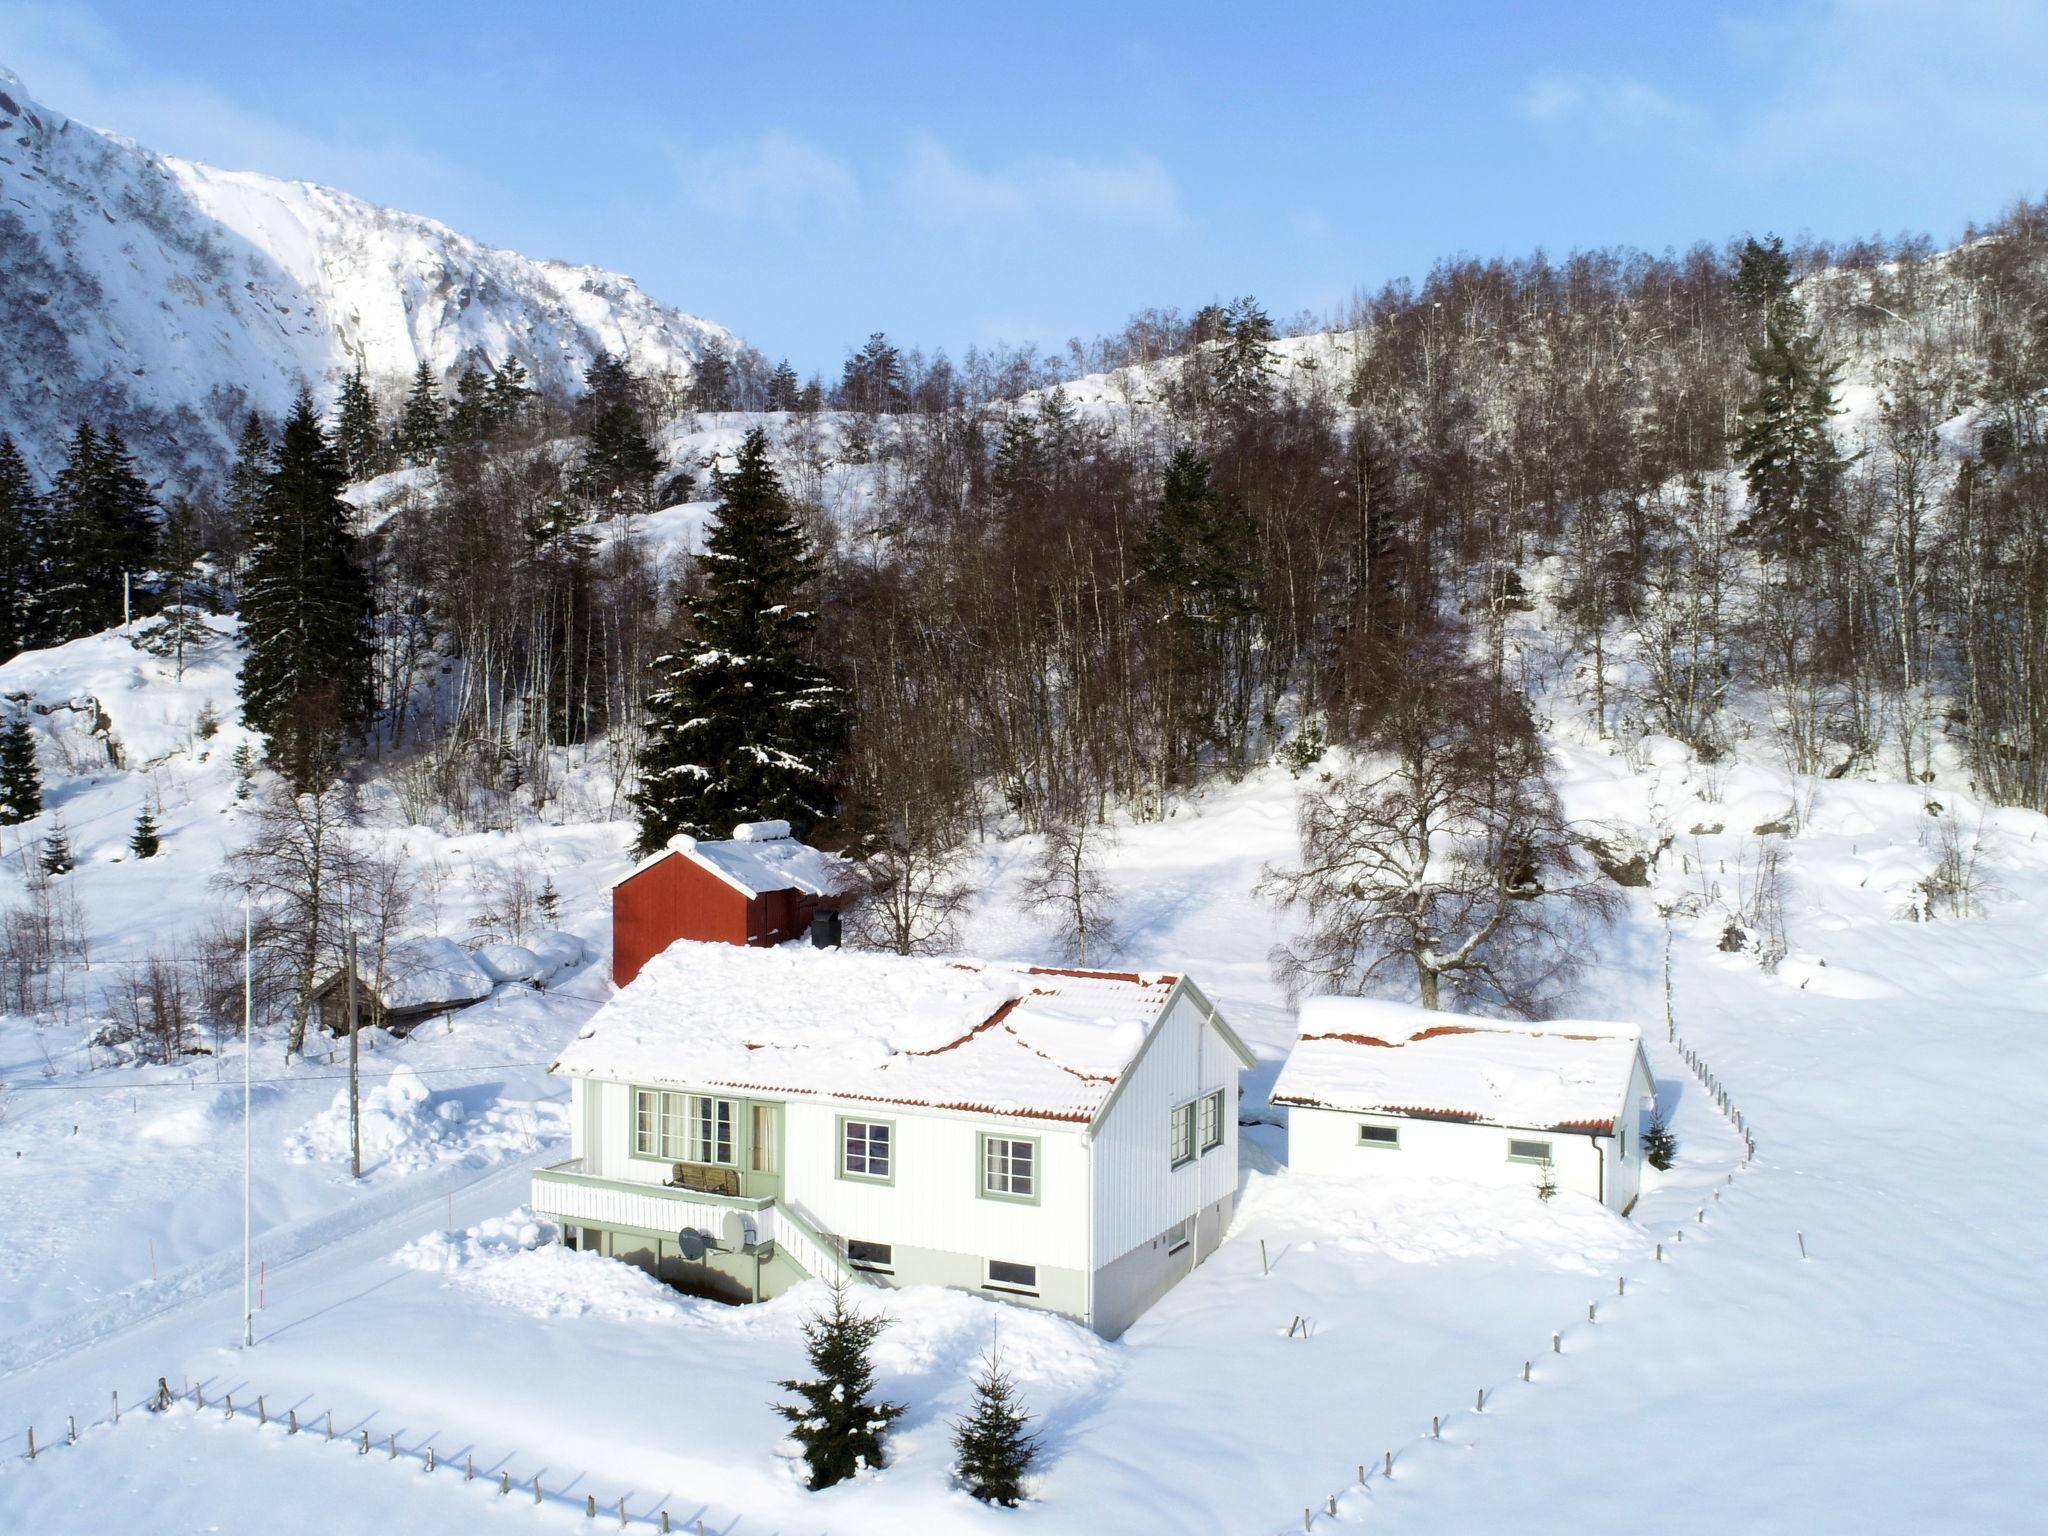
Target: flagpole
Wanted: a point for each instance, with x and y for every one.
(248, 1010)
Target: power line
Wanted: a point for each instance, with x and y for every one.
(191, 1084)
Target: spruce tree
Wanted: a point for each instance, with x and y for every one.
(839, 1425)
(422, 424)
(509, 393)
(358, 434)
(744, 725)
(1660, 1147)
(993, 1446)
(77, 596)
(145, 842)
(21, 780)
(618, 464)
(305, 610)
(56, 857)
(21, 547)
(243, 501)
(712, 389)
(1787, 453)
(783, 387)
(469, 418)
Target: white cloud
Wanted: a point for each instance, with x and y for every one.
(1908, 84)
(939, 192)
(71, 62)
(776, 177)
(1607, 101)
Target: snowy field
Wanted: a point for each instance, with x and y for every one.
(1888, 1069)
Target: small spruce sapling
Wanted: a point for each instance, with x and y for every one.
(840, 1427)
(993, 1446)
(1660, 1147)
(57, 858)
(145, 842)
(244, 762)
(549, 902)
(21, 781)
(1546, 1186)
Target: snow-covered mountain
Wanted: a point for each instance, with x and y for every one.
(169, 297)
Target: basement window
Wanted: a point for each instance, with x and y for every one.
(1528, 1151)
(1180, 1234)
(878, 1257)
(1005, 1276)
(1388, 1136)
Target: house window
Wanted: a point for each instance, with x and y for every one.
(1528, 1151)
(867, 1150)
(1181, 1135)
(1624, 1145)
(1009, 1167)
(1180, 1234)
(1388, 1136)
(1212, 1121)
(711, 1131)
(1005, 1276)
(880, 1257)
(683, 1127)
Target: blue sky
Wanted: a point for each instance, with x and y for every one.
(965, 174)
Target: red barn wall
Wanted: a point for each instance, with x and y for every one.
(676, 899)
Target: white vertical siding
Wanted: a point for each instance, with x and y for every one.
(1138, 1193)
(935, 1200)
(1326, 1141)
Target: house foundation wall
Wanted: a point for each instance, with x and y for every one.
(1128, 1286)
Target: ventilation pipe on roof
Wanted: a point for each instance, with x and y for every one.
(825, 928)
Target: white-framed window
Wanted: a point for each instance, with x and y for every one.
(1520, 1151)
(1387, 1136)
(1623, 1148)
(711, 1136)
(1180, 1135)
(1005, 1276)
(867, 1150)
(1179, 1235)
(1212, 1121)
(1009, 1167)
(880, 1257)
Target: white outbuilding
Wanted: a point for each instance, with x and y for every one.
(742, 1118)
(1376, 1089)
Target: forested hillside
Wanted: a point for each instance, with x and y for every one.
(1772, 501)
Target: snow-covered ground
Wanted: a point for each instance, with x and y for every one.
(1887, 1068)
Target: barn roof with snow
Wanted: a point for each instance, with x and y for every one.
(1366, 1056)
(937, 1033)
(759, 857)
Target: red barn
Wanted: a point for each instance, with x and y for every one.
(760, 888)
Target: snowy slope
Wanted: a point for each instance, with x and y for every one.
(169, 297)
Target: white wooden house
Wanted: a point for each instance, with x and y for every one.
(1379, 1090)
(745, 1117)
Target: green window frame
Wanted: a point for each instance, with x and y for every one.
(1386, 1137)
(1520, 1151)
(685, 1128)
(1212, 1121)
(863, 1142)
(1180, 1135)
(1010, 1168)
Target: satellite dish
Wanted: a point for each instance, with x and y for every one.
(738, 1233)
(691, 1244)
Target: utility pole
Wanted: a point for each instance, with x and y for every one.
(355, 1103)
(248, 1014)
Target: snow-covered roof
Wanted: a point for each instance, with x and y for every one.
(939, 1033)
(1366, 1056)
(760, 857)
(420, 973)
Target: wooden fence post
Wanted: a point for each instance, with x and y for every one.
(364, 1448)
(391, 1447)
(430, 1458)
(1525, 1370)
(504, 1484)
(71, 1431)
(117, 1407)
(590, 1506)
(262, 1413)
(1479, 1403)
(31, 1442)
(469, 1468)
(1435, 1427)
(536, 1487)
(1389, 1464)
(231, 1404)
(291, 1421)
(1556, 1342)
